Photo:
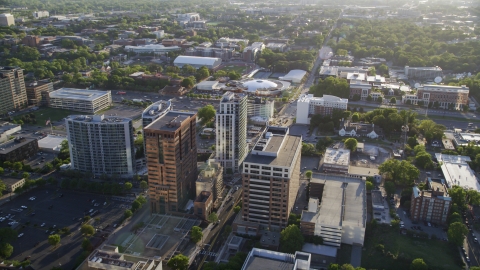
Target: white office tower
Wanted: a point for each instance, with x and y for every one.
(7, 19)
(101, 145)
(231, 128)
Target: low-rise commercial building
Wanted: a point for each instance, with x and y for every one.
(152, 48)
(377, 201)
(38, 92)
(336, 161)
(51, 143)
(203, 204)
(294, 76)
(197, 62)
(7, 129)
(12, 183)
(109, 258)
(208, 86)
(432, 204)
(447, 97)
(308, 105)
(210, 179)
(18, 149)
(423, 72)
(457, 171)
(89, 101)
(359, 88)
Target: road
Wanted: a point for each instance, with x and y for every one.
(213, 246)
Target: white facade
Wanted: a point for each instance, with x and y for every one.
(306, 104)
(89, 101)
(101, 145)
(159, 33)
(40, 14)
(197, 62)
(294, 76)
(263, 108)
(152, 48)
(7, 19)
(412, 97)
(231, 131)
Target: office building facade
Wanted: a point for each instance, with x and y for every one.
(13, 95)
(271, 179)
(171, 152)
(101, 145)
(18, 149)
(88, 101)
(231, 131)
(446, 96)
(261, 107)
(308, 105)
(7, 19)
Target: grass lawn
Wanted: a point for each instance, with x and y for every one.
(42, 115)
(400, 250)
(239, 69)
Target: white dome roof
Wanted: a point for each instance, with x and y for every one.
(253, 85)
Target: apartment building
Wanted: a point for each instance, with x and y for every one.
(13, 95)
(231, 131)
(88, 101)
(38, 92)
(171, 152)
(101, 145)
(260, 107)
(448, 97)
(308, 105)
(432, 204)
(271, 179)
(360, 88)
(210, 179)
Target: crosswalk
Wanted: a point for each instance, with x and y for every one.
(203, 252)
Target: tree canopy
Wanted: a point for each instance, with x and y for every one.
(418, 264)
(178, 262)
(402, 172)
(54, 239)
(206, 113)
(291, 239)
(196, 234)
(351, 144)
(456, 233)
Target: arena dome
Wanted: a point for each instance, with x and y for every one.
(253, 85)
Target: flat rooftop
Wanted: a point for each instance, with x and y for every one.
(51, 142)
(156, 109)
(77, 94)
(339, 157)
(10, 180)
(377, 198)
(457, 172)
(13, 144)
(256, 263)
(278, 151)
(171, 121)
(332, 199)
(98, 119)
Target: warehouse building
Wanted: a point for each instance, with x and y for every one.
(197, 62)
(89, 101)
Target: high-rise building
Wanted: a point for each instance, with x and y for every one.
(40, 14)
(101, 145)
(171, 152)
(13, 95)
(155, 111)
(231, 128)
(38, 92)
(7, 19)
(271, 178)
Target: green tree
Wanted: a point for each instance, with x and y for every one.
(187, 83)
(202, 73)
(418, 264)
(355, 117)
(424, 160)
(431, 130)
(226, 231)
(389, 188)
(127, 214)
(237, 209)
(393, 100)
(213, 217)
(291, 239)
(128, 185)
(395, 223)
(2, 171)
(473, 197)
(178, 262)
(6, 250)
(17, 166)
(143, 185)
(54, 239)
(87, 245)
(369, 185)
(308, 174)
(196, 234)
(206, 114)
(402, 172)
(308, 149)
(456, 233)
(87, 230)
(351, 144)
(458, 195)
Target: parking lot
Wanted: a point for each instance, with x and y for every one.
(56, 208)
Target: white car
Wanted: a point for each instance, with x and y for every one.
(20, 235)
(24, 207)
(43, 225)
